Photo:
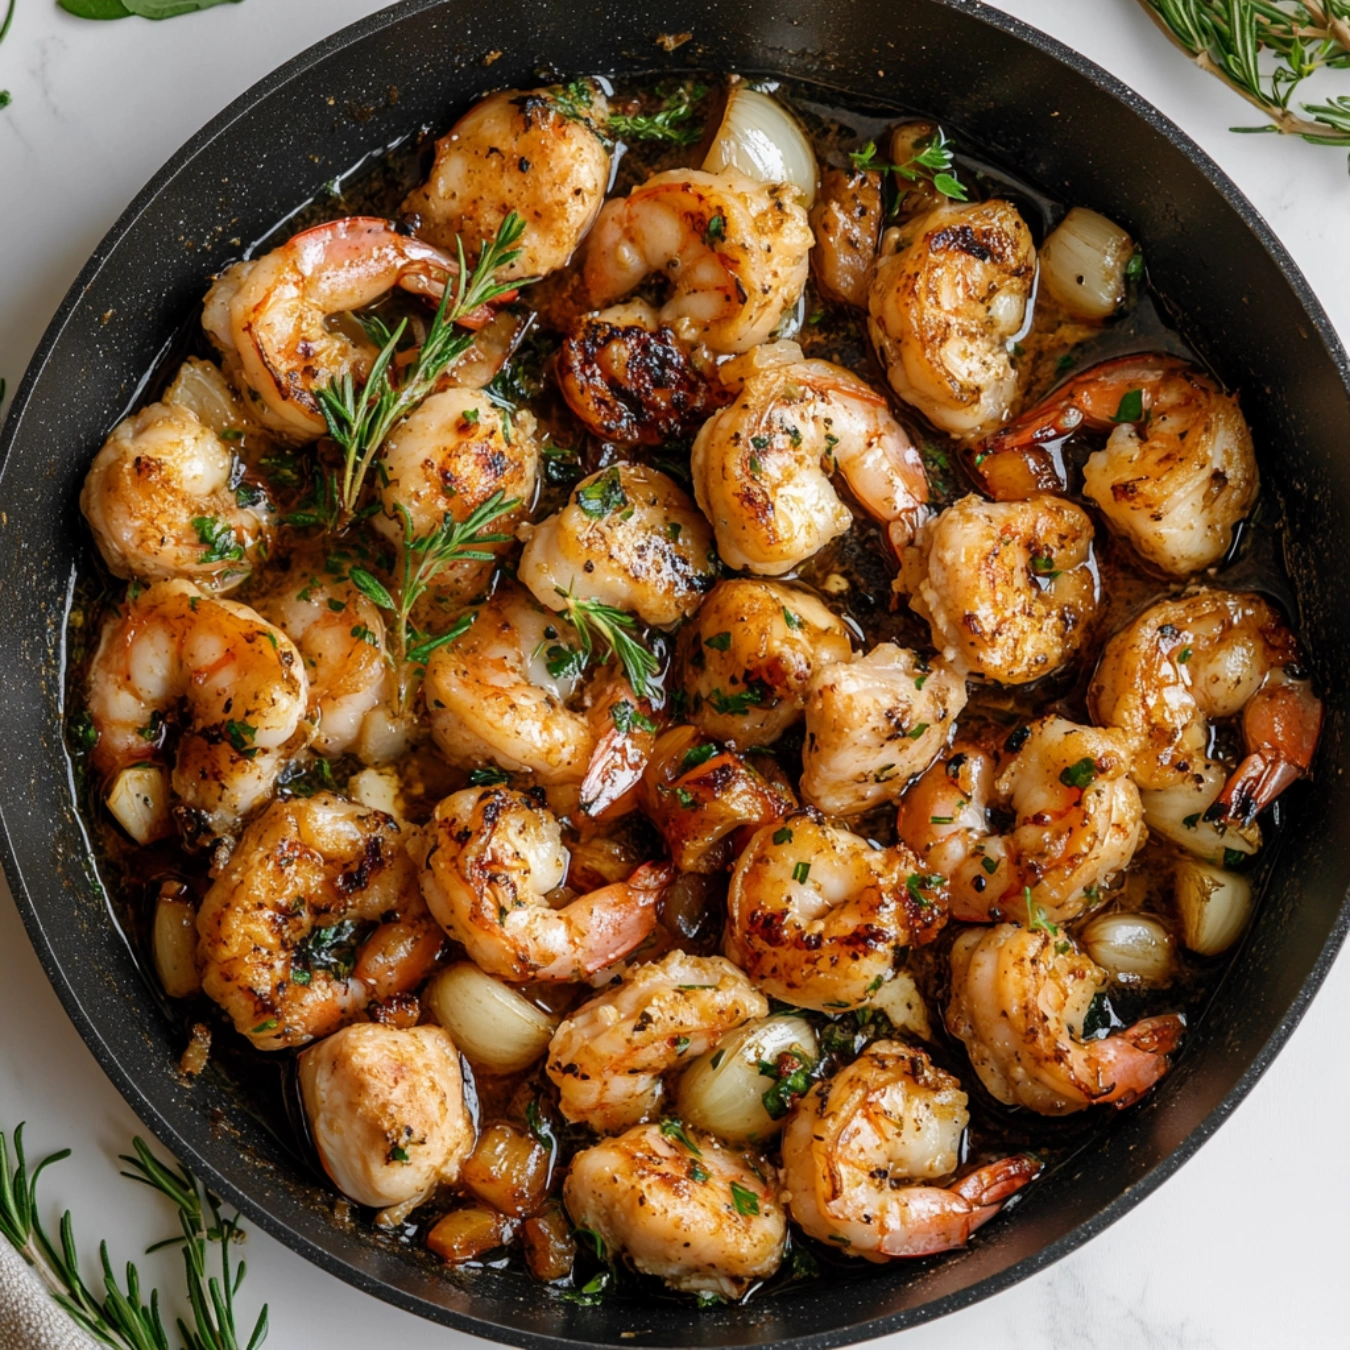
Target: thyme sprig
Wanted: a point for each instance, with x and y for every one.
(423, 558)
(670, 122)
(595, 622)
(1227, 37)
(360, 421)
(120, 1318)
(933, 164)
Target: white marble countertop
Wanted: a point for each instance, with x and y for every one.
(1202, 1263)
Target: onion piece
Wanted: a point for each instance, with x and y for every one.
(1214, 906)
(1083, 264)
(900, 1000)
(723, 1091)
(759, 138)
(139, 801)
(497, 1028)
(1133, 949)
(376, 788)
(173, 945)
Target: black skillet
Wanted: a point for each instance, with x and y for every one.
(1045, 113)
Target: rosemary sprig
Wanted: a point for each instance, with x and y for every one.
(933, 164)
(423, 559)
(360, 421)
(1227, 37)
(596, 622)
(121, 1319)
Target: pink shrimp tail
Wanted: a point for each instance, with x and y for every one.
(1134, 1059)
(615, 920)
(996, 1181)
(936, 1220)
(1281, 725)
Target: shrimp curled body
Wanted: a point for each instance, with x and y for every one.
(861, 1153)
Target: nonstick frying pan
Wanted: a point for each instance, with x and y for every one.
(1043, 112)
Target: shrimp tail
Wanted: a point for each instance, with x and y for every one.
(995, 1182)
(1133, 1060)
(1281, 724)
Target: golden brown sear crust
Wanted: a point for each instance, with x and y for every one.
(630, 384)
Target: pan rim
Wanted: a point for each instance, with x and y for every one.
(299, 1242)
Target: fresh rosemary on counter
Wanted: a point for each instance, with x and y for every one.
(1227, 39)
(120, 1318)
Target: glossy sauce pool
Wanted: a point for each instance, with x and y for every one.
(853, 576)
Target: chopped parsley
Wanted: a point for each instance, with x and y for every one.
(745, 1200)
(1081, 774)
(602, 494)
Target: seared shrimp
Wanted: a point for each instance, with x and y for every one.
(494, 856)
(747, 657)
(316, 916)
(445, 461)
(492, 696)
(943, 306)
(819, 918)
(629, 379)
(166, 498)
(734, 251)
(386, 1110)
(628, 538)
(1177, 474)
(352, 690)
(1078, 822)
(517, 151)
(235, 685)
(704, 798)
(686, 1208)
(872, 723)
(1009, 589)
(1019, 999)
(269, 317)
(861, 1151)
(1184, 663)
(762, 466)
(607, 1059)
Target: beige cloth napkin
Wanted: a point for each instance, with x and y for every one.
(29, 1318)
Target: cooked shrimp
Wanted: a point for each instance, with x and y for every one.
(629, 379)
(608, 1058)
(166, 498)
(443, 462)
(235, 685)
(386, 1110)
(819, 918)
(1078, 822)
(494, 857)
(316, 917)
(493, 698)
(269, 316)
(688, 1209)
(1009, 589)
(703, 797)
(517, 151)
(1177, 474)
(847, 220)
(734, 251)
(1019, 999)
(762, 466)
(1212, 654)
(943, 306)
(861, 1150)
(628, 538)
(352, 690)
(748, 655)
(872, 723)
